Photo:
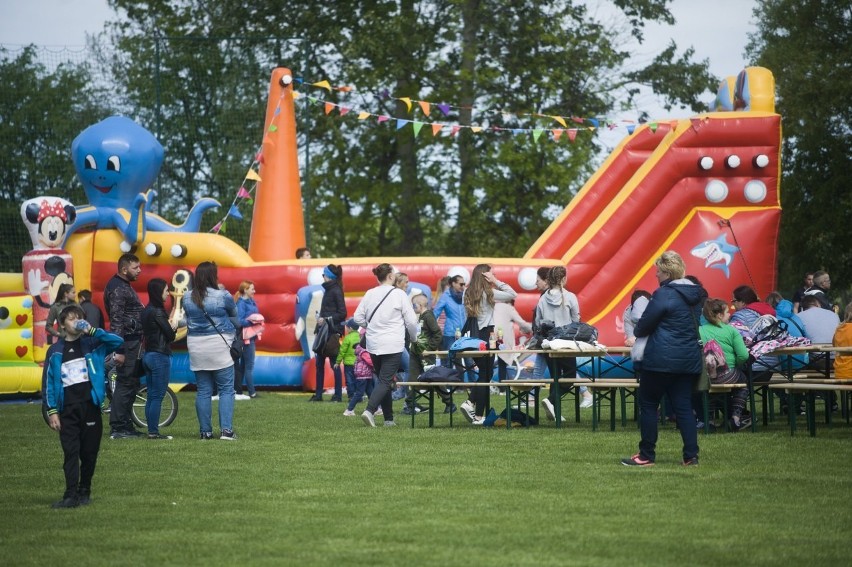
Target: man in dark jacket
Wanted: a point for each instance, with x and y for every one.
(125, 320)
(671, 362)
(94, 315)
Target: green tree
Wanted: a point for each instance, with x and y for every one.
(41, 112)
(808, 47)
(372, 189)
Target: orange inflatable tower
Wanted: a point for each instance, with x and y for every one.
(278, 227)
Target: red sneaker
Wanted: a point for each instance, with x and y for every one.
(637, 461)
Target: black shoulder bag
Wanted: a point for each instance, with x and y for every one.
(235, 347)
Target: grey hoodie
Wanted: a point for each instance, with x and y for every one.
(559, 306)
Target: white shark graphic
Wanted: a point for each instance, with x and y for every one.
(716, 253)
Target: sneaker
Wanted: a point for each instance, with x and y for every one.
(478, 420)
(549, 411)
(123, 435)
(315, 398)
(69, 502)
(379, 412)
(158, 436)
(253, 396)
(693, 462)
(468, 410)
(587, 402)
(206, 435)
(335, 399)
(349, 413)
(84, 496)
(390, 424)
(228, 435)
(242, 397)
(367, 416)
(215, 398)
(408, 410)
(637, 461)
(450, 408)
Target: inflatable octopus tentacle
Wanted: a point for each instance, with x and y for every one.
(192, 222)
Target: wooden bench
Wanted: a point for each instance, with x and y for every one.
(809, 388)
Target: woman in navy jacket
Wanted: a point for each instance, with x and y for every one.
(671, 361)
(332, 313)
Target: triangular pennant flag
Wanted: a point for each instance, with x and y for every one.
(400, 122)
(252, 174)
(329, 107)
(323, 85)
(577, 119)
(363, 115)
(383, 118)
(517, 131)
(476, 129)
(455, 130)
(560, 120)
(436, 128)
(243, 194)
(216, 228)
(273, 128)
(407, 102)
(537, 133)
(343, 89)
(653, 127)
(277, 111)
(425, 107)
(344, 110)
(445, 108)
(630, 128)
(235, 212)
(594, 122)
(417, 126)
(572, 134)
(557, 134)
(313, 99)
(296, 95)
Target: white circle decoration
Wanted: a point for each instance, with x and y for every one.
(706, 163)
(733, 161)
(526, 278)
(459, 271)
(178, 250)
(716, 191)
(153, 249)
(125, 246)
(755, 191)
(315, 276)
(761, 160)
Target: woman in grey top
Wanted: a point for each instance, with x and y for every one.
(479, 298)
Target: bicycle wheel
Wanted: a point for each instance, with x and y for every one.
(168, 410)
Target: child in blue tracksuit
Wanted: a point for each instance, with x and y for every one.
(73, 386)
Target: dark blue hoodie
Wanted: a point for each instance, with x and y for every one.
(669, 322)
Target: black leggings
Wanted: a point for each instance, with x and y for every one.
(481, 396)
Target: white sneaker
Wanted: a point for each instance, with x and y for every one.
(478, 420)
(548, 409)
(390, 424)
(215, 398)
(587, 402)
(349, 413)
(379, 412)
(368, 418)
(241, 397)
(468, 410)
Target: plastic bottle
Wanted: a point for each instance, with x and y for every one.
(492, 341)
(458, 333)
(500, 344)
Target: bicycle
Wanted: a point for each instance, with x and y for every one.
(168, 411)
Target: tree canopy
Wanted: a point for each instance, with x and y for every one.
(808, 47)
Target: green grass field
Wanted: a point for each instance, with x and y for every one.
(305, 485)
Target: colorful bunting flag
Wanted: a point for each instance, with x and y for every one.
(417, 126)
(329, 107)
(243, 193)
(436, 128)
(407, 102)
(235, 212)
(323, 85)
(252, 174)
(425, 107)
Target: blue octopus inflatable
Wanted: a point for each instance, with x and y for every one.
(117, 161)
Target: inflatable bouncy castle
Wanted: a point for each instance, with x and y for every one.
(706, 186)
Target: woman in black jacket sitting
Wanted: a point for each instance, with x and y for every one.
(159, 333)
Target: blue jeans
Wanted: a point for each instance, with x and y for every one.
(224, 379)
(652, 387)
(358, 393)
(157, 368)
(349, 373)
(247, 365)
